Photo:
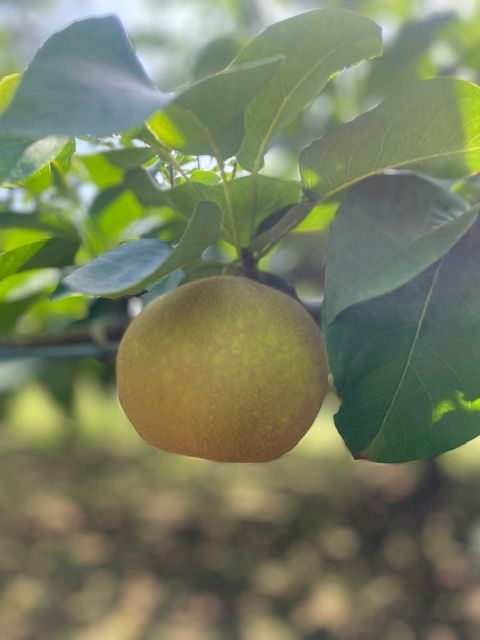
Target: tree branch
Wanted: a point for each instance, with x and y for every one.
(90, 341)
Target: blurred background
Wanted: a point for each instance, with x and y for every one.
(103, 538)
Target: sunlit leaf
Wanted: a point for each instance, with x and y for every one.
(269, 195)
(107, 168)
(20, 158)
(55, 252)
(432, 127)
(316, 45)
(8, 86)
(207, 118)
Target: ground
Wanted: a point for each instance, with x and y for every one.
(103, 538)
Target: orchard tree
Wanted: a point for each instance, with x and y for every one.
(118, 194)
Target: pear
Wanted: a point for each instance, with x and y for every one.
(222, 368)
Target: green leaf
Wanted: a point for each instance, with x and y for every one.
(85, 80)
(10, 312)
(319, 218)
(20, 158)
(400, 64)
(8, 86)
(387, 230)
(215, 56)
(117, 272)
(202, 231)
(12, 261)
(37, 221)
(254, 198)
(108, 167)
(269, 193)
(131, 266)
(105, 198)
(207, 118)
(54, 252)
(316, 45)
(431, 127)
(64, 158)
(406, 364)
(263, 242)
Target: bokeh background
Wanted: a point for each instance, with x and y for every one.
(103, 538)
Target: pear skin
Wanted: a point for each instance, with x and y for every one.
(222, 368)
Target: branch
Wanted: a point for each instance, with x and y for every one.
(90, 341)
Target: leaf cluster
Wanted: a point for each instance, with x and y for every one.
(114, 189)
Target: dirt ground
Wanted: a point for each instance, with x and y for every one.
(103, 538)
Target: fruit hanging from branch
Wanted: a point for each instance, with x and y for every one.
(223, 368)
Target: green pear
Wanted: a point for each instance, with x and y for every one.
(222, 368)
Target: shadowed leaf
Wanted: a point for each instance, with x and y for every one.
(131, 266)
(406, 364)
(387, 230)
(85, 80)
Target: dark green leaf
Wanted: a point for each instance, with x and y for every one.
(10, 312)
(406, 363)
(40, 222)
(287, 222)
(388, 230)
(118, 272)
(85, 80)
(131, 266)
(316, 45)
(202, 231)
(55, 252)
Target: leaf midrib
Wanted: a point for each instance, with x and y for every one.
(405, 163)
(409, 357)
(399, 250)
(287, 97)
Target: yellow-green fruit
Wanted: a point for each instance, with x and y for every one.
(222, 368)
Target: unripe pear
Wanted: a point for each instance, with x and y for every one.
(222, 368)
